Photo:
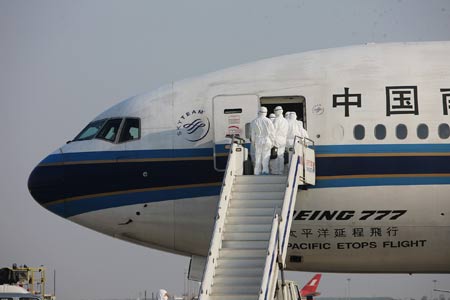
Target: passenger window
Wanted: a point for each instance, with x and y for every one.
(109, 130)
(444, 131)
(380, 132)
(422, 131)
(90, 131)
(131, 130)
(359, 132)
(401, 131)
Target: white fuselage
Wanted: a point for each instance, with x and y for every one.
(380, 203)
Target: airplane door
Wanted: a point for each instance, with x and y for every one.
(231, 114)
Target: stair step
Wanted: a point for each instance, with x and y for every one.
(263, 179)
(241, 220)
(253, 211)
(245, 244)
(242, 253)
(267, 187)
(235, 203)
(246, 236)
(239, 271)
(248, 228)
(237, 281)
(241, 262)
(246, 233)
(239, 290)
(257, 195)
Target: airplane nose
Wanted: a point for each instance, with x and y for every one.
(46, 180)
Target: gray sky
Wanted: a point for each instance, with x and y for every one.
(64, 62)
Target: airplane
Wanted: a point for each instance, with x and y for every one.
(149, 169)
(308, 292)
(292, 290)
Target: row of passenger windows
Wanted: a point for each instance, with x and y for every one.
(401, 131)
(116, 130)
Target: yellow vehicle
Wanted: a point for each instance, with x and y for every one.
(30, 279)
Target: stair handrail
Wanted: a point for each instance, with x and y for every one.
(296, 163)
(280, 237)
(222, 207)
(271, 259)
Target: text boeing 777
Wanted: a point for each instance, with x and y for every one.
(149, 169)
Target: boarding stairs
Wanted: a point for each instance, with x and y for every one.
(253, 221)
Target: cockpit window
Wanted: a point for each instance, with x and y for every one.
(131, 130)
(109, 130)
(90, 131)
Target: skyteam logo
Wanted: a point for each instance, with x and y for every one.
(193, 125)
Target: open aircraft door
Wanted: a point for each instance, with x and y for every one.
(231, 114)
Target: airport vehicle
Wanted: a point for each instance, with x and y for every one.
(13, 292)
(24, 280)
(150, 169)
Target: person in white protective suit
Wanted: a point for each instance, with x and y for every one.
(163, 295)
(271, 161)
(281, 130)
(262, 134)
(293, 131)
(272, 117)
(286, 115)
(303, 132)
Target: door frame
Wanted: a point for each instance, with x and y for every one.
(222, 154)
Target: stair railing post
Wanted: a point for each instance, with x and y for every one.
(281, 262)
(270, 270)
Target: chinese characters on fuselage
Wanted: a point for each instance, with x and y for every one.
(314, 236)
(350, 238)
(399, 100)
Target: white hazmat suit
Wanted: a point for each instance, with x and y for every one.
(303, 132)
(162, 295)
(262, 134)
(294, 129)
(281, 130)
(271, 161)
(293, 132)
(272, 117)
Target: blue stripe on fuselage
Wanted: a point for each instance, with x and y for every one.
(384, 181)
(382, 165)
(412, 166)
(382, 148)
(198, 152)
(72, 208)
